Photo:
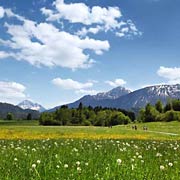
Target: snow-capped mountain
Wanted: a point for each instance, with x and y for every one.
(141, 97)
(124, 99)
(100, 99)
(26, 104)
(112, 94)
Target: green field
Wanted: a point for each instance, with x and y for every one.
(31, 130)
(29, 151)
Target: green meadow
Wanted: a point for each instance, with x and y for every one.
(30, 151)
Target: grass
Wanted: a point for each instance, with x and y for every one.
(30, 151)
(89, 159)
(31, 130)
(19, 123)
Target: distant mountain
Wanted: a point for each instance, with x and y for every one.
(100, 99)
(17, 112)
(26, 104)
(112, 94)
(141, 97)
(124, 99)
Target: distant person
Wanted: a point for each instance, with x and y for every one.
(145, 128)
(135, 127)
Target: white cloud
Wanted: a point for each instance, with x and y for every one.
(128, 29)
(116, 82)
(155, 84)
(71, 84)
(78, 87)
(104, 18)
(11, 92)
(1, 12)
(44, 44)
(81, 13)
(171, 74)
(3, 55)
(120, 34)
(93, 30)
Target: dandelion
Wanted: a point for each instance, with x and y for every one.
(57, 166)
(119, 161)
(86, 164)
(33, 166)
(158, 155)
(162, 167)
(78, 169)
(170, 164)
(15, 159)
(38, 161)
(75, 149)
(66, 166)
(78, 163)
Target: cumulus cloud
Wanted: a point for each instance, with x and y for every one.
(3, 55)
(44, 44)
(79, 88)
(116, 82)
(11, 92)
(81, 13)
(104, 18)
(171, 74)
(71, 84)
(1, 12)
(128, 29)
(93, 30)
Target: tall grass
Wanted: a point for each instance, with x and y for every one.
(89, 159)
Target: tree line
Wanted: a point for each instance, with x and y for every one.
(159, 112)
(10, 116)
(87, 116)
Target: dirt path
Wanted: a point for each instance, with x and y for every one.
(159, 132)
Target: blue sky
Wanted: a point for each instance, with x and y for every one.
(54, 52)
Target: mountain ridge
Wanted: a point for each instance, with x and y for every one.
(98, 99)
(130, 100)
(27, 104)
(17, 112)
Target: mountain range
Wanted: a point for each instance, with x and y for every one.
(125, 99)
(18, 113)
(116, 98)
(26, 104)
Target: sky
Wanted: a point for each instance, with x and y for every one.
(55, 51)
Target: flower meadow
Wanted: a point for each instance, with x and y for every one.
(73, 159)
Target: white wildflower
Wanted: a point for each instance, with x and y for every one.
(86, 164)
(33, 165)
(158, 155)
(162, 167)
(38, 161)
(78, 169)
(170, 164)
(119, 161)
(78, 163)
